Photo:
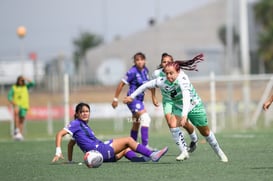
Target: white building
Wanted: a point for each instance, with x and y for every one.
(183, 37)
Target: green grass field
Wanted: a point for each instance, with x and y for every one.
(249, 152)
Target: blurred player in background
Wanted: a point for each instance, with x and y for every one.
(111, 150)
(175, 131)
(182, 102)
(268, 102)
(18, 96)
(135, 77)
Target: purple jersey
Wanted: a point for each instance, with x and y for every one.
(86, 139)
(135, 78)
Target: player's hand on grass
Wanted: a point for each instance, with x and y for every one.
(57, 157)
(58, 154)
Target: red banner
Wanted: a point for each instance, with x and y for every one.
(43, 113)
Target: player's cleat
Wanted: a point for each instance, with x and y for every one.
(18, 137)
(155, 156)
(222, 156)
(184, 155)
(140, 159)
(192, 147)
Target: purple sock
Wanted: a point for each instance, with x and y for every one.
(144, 135)
(143, 150)
(134, 134)
(130, 154)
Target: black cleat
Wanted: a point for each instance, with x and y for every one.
(192, 146)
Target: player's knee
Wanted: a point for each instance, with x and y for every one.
(204, 130)
(145, 119)
(130, 140)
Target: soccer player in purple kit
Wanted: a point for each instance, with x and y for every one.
(112, 150)
(137, 75)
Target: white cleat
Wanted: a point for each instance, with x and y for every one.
(222, 156)
(183, 156)
(18, 137)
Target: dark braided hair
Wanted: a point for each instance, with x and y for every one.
(191, 64)
(173, 64)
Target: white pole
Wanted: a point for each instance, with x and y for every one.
(66, 99)
(12, 124)
(105, 19)
(49, 119)
(213, 102)
(245, 57)
(229, 38)
(21, 32)
(244, 44)
(22, 56)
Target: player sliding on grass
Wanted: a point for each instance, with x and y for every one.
(112, 150)
(181, 101)
(175, 131)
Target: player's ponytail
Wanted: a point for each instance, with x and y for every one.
(190, 64)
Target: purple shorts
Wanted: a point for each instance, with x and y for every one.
(107, 151)
(136, 106)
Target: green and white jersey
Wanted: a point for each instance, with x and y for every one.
(181, 92)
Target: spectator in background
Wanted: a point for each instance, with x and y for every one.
(268, 102)
(18, 96)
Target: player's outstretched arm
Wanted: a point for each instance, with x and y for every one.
(148, 85)
(58, 141)
(117, 93)
(127, 100)
(154, 99)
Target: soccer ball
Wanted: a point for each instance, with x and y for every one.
(93, 159)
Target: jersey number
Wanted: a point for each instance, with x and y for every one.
(173, 93)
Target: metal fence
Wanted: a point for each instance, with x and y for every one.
(232, 102)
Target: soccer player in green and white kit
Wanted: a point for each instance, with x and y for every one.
(181, 100)
(177, 134)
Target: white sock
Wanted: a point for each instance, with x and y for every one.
(16, 131)
(213, 142)
(178, 137)
(194, 136)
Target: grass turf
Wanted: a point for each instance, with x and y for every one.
(249, 153)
